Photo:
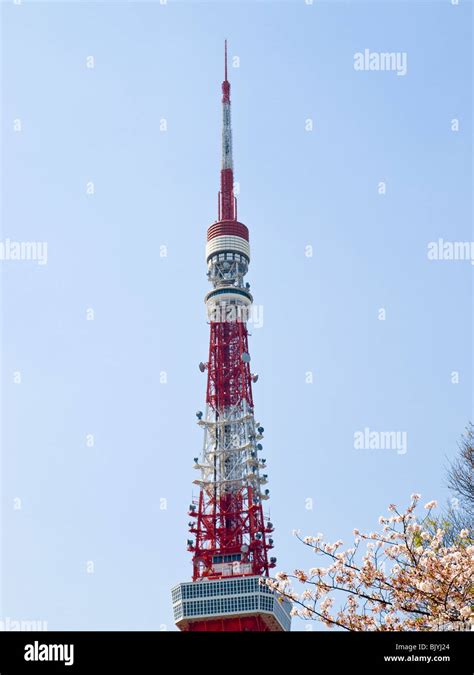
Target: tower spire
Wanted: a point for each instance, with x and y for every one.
(225, 50)
(227, 202)
(226, 83)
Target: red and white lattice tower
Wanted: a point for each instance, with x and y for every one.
(231, 538)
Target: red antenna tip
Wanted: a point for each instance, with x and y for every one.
(225, 84)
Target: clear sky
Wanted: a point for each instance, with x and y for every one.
(158, 188)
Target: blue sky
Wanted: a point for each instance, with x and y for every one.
(158, 188)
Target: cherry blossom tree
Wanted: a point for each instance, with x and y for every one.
(460, 480)
(407, 579)
(461, 473)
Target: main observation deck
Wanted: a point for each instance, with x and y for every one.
(228, 600)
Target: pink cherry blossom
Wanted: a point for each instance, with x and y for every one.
(407, 578)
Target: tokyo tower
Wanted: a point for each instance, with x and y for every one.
(230, 537)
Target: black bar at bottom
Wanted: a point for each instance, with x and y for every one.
(308, 651)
